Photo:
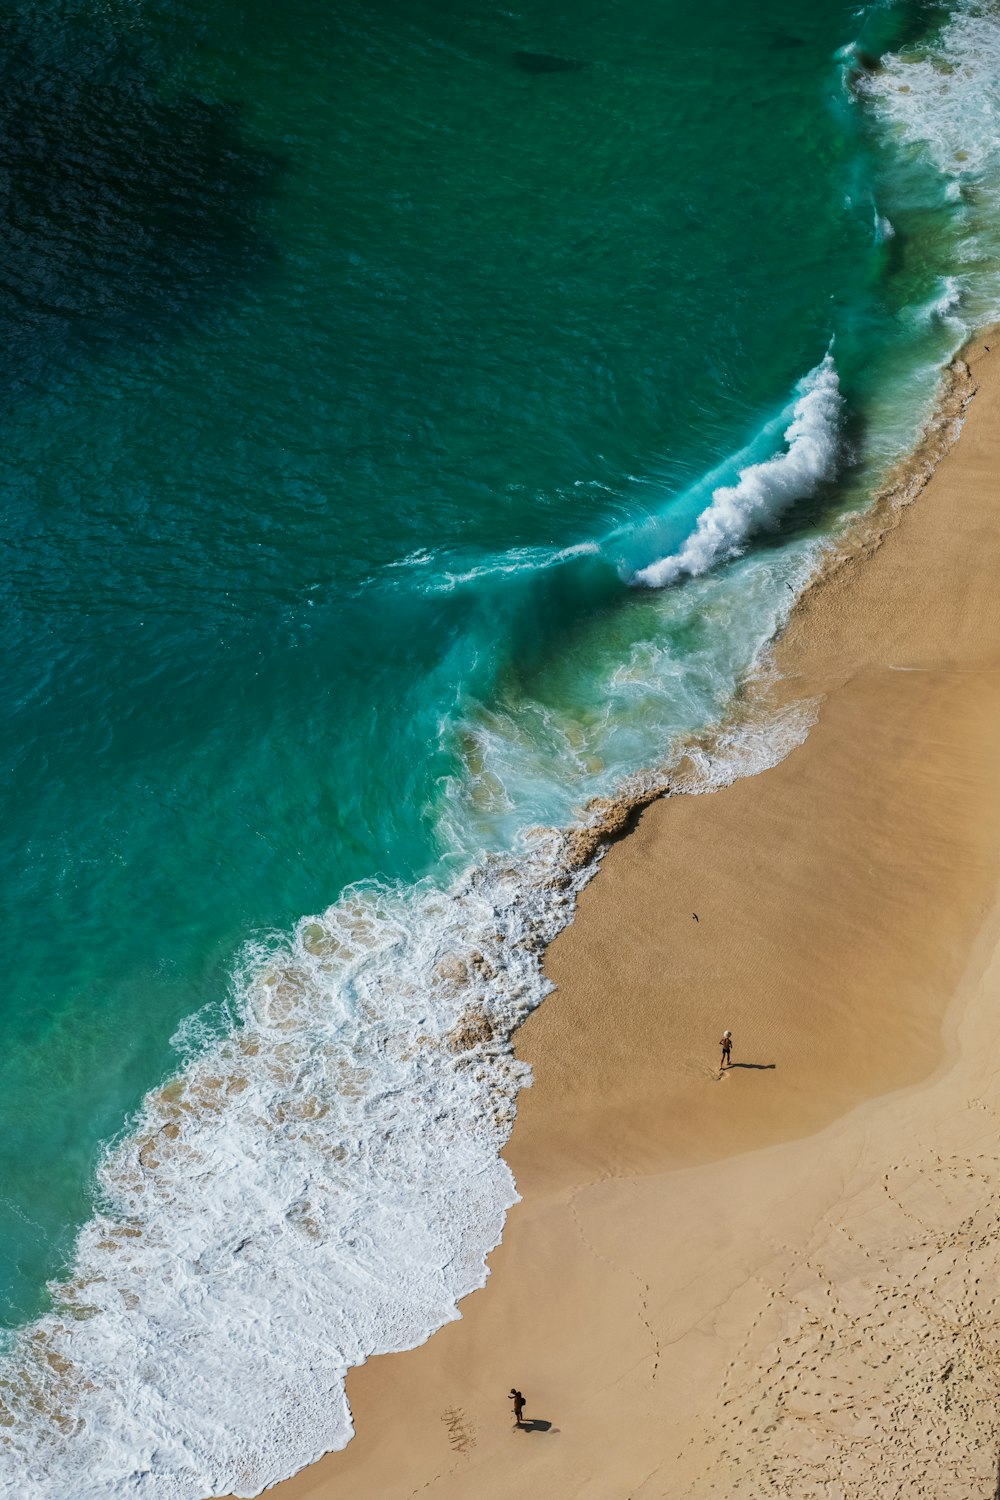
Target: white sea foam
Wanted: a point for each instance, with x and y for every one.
(323, 1185)
(418, 559)
(749, 749)
(764, 490)
(950, 297)
(883, 228)
(945, 99)
(944, 306)
(940, 101)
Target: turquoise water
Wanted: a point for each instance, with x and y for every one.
(355, 360)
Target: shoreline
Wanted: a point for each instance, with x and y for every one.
(600, 1118)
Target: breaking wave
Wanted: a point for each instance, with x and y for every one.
(765, 490)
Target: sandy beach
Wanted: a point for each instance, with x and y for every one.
(782, 1279)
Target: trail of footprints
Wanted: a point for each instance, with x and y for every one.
(462, 1438)
(643, 1286)
(872, 1375)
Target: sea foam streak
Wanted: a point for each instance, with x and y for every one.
(322, 1185)
(763, 490)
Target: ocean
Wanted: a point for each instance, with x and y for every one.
(416, 423)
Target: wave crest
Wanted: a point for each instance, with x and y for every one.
(763, 490)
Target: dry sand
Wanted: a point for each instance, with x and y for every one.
(784, 1280)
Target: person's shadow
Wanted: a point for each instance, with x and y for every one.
(757, 1067)
(536, 1424)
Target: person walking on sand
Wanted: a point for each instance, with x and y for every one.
(727, 1046)
(518, 1401)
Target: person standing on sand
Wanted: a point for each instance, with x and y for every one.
(727, 1046)
(518, 1401)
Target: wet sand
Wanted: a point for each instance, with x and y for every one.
(783, 1278)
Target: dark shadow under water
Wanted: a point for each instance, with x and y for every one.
(126, 215)
(546, 62)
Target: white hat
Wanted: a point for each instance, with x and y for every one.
(727, 1033)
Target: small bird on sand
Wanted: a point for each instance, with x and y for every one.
(695, 915)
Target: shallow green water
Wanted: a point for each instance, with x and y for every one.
(325, 329)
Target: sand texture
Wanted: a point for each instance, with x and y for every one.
(783, 1280)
